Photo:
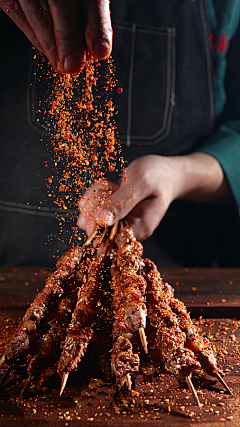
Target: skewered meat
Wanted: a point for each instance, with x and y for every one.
(25, 336)
(128, 302)
(196, 343)
(48, 346)
(200, 345)
(128, 286)
(124, 361)
(80, 330)
(138, 292)
(170, 340)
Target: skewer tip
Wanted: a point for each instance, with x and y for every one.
(64, 382)
(194, 393)
(143, 339)
(220, 378)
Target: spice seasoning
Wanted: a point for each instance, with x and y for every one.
(83, 134)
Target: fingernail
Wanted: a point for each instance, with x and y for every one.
(70, 64)
(102, 49)
(105, 217)
(73, 63)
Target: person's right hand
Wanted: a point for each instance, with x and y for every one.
(153, 183)
(66, 31)
(143, 198)
(94, 203)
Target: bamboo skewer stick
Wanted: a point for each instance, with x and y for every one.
(25, 387)
(63, 384)
(194, 393)
(111, 237)
(113, 232)
(220, 378)
(100, 240)
(128, 381)
(5, 375)
(90, 238)
(143, 339)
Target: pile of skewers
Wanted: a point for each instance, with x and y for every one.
(62, 319)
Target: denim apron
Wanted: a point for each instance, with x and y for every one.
(163, 64)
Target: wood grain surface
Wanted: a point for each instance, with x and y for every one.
(210, 292)
(89, 399)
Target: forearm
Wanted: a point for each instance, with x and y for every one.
(153, 183)
(200, 178)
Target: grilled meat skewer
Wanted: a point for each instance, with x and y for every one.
(60, 322)
(129, 287)
(195, 342)
(199, 345)
(124, 361)
(169, 339)
(128, 303)
(48, 346)
(80, 330)
(26, 335)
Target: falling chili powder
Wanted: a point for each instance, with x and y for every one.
(83, 133)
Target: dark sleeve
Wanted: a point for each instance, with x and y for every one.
(224, 145)
(224, 142)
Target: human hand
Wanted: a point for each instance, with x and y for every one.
(143, 198)
(153, 182)
(68, 32)
(95, 205)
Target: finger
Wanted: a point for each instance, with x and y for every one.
(40, 20)
(91, 195)
(98, 33)
(91, 203)
(69, 34)
(121, 202)
(145, 217)
(97, 194)
(88, 225)
(15, 12)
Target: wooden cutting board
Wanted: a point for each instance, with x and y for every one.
(206, 291)
(157, 400)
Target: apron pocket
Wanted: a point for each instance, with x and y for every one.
(145, 67)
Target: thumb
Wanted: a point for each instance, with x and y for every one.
(119, 203)
(146, 216)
